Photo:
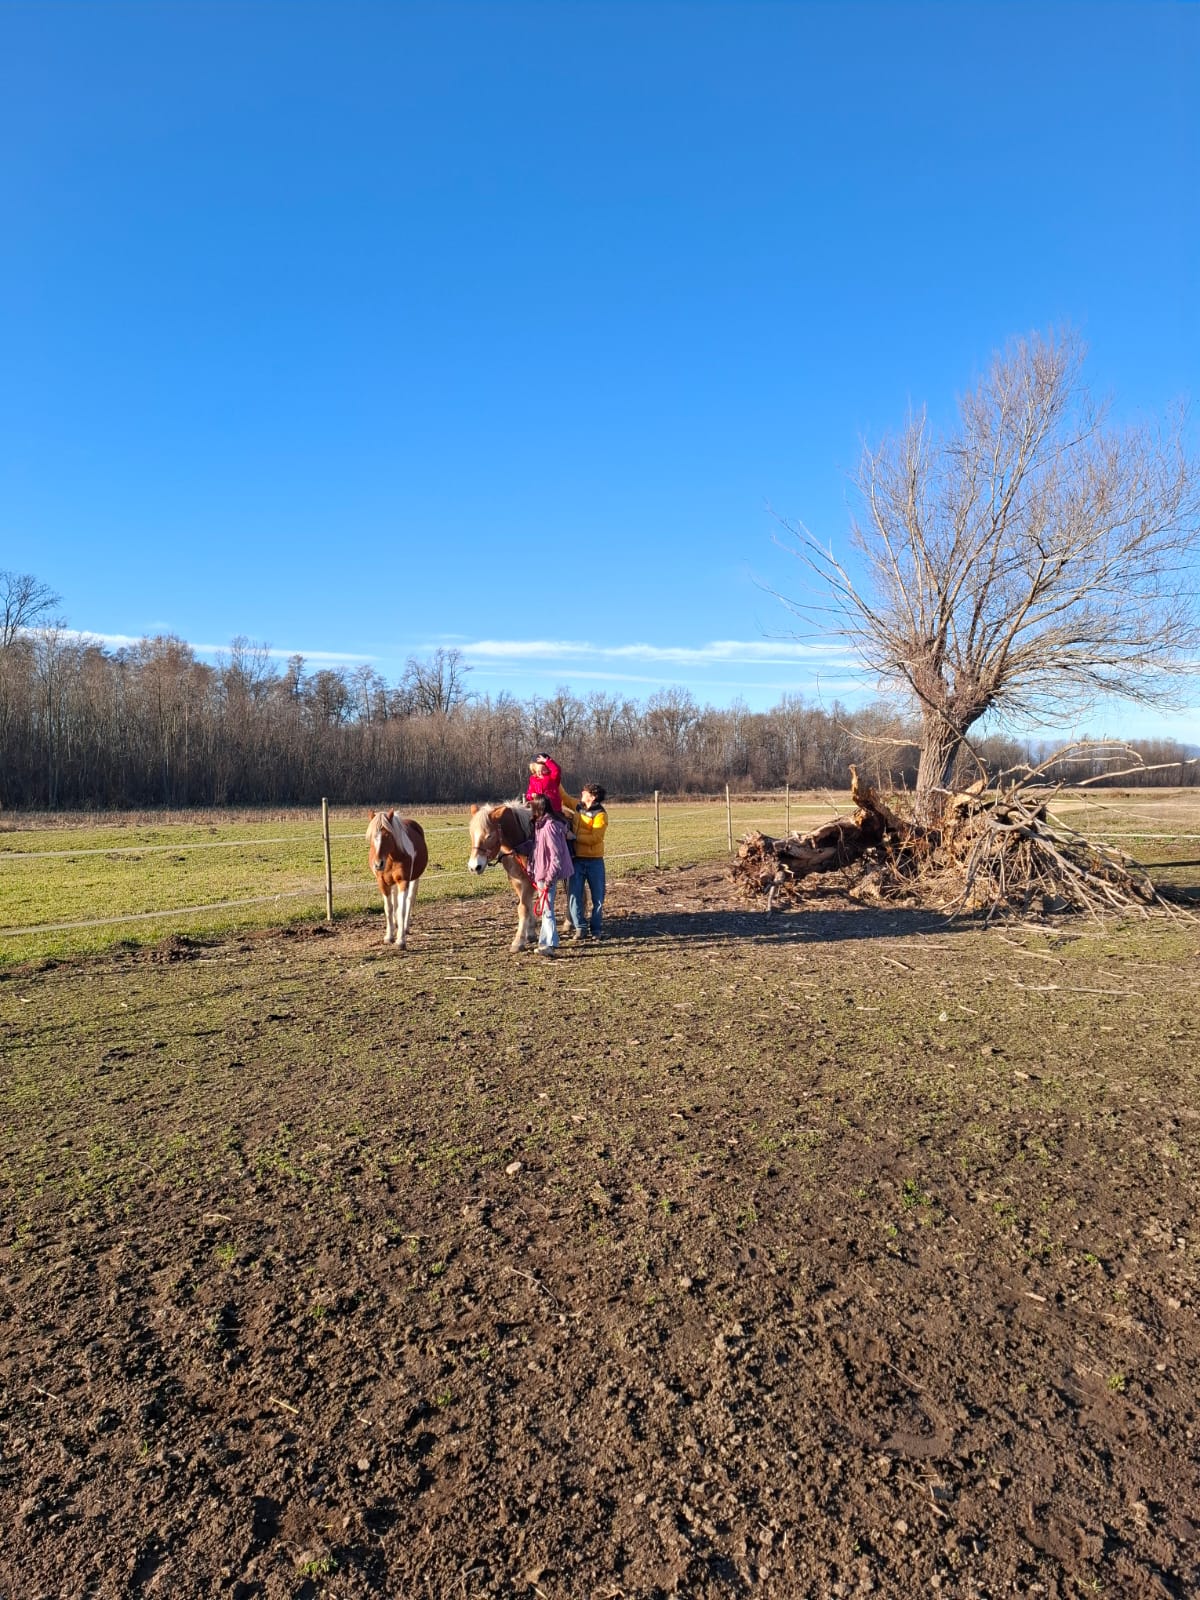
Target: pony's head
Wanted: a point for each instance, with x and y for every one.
(378, 833)
(485, 839)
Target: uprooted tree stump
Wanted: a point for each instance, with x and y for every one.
(768, 864)
(775, 867)
(992, 852)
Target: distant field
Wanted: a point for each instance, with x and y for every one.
(1159, 827)
(139, 876)
(63, 869)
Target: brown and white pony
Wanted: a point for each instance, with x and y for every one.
(495, 833)
(398, 855)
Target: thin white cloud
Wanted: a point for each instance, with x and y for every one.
(741, 652)
(578, 658)
(278, 652)
(118, 641)
(595, 675)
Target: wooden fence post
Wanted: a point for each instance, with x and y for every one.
(787, 808)
(657, 834)
(728, 819)
(328, 862)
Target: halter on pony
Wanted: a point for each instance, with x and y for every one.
(489, 843)
(491, 848)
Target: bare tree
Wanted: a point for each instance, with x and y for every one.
(604, 712)
(246, 672)
(328, 696)
(1032, 560)
(437, 685)
(369, 694)
(22, 601)
(670, 716)
(560, 719)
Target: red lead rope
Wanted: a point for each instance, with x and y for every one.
(540, 896)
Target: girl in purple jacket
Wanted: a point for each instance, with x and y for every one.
(551, 863)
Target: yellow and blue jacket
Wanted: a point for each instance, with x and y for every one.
(589, 832)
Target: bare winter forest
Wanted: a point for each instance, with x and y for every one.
(152, 724)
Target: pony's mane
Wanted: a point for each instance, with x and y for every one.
(520, 808)
(395, 825)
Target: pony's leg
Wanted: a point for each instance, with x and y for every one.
(407, 895)
(522, 915)
(389, 912)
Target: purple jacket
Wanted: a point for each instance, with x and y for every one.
(551, 857)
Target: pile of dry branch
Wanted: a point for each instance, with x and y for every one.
(994, 851)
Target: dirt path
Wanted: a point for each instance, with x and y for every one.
(827, 1254)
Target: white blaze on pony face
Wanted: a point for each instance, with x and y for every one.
(375, 841)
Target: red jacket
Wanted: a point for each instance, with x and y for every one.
(550, 785)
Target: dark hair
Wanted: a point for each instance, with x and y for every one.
(597, 790)
(540, 806)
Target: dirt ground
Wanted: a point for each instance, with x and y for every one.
(833, 1253)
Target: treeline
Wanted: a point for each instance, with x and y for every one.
(82, 726)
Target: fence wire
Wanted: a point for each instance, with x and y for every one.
(362, 891)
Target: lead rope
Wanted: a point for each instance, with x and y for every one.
(540, 896)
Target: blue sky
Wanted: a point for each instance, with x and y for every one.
(360, 329)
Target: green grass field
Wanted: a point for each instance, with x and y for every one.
(137, 878)
(136, 867)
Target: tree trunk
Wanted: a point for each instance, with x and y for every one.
(939, 747)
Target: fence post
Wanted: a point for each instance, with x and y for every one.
(728, 819)
(787, 808)
(657, 834)
(328, 862)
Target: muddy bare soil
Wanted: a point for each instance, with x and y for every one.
(834, 1253)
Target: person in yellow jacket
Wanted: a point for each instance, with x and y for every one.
(591, 823)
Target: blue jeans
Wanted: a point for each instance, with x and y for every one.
(548, 934)
(591, 872)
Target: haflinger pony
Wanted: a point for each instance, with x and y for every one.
(496, 831)
(398, 855)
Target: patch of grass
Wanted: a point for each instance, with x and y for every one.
(129, 866)
(318, 1567)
